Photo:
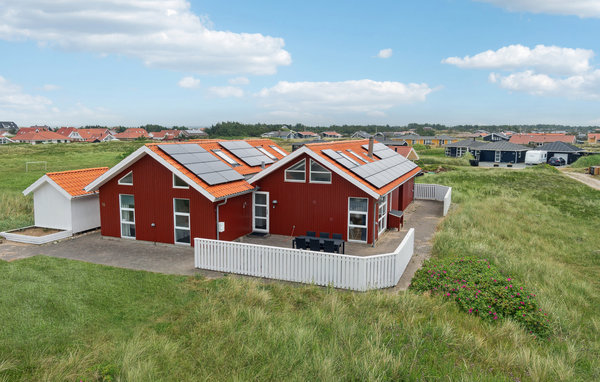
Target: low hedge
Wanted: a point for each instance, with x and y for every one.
(480, 289)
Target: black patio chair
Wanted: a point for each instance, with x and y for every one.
(329, 246)
(311, 233)
(300, 243)
(315, 245)
(324, 235)
(336, 236)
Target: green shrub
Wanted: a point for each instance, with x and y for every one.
(480, 289)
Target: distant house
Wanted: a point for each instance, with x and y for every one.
(283, 134)
(495, 137)
(297, 145)
(406, 151)
(5, 125)
(40, 136)
(70, 132)
(500, 152)
(563, 150)
(5, 140)
(331, 134)
(96, 135)
(132, 134)
(167, 135)
(307, 134)
(435, 141)
(538, 139)
(460, 148)
(594, 138)
(196, 133)
(361, 135)
(60, 202)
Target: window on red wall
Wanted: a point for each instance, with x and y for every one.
(296, 172)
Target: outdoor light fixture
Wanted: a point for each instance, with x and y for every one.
(274, 203)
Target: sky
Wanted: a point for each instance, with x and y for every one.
(196, 63)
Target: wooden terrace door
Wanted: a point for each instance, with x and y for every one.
(260, 212)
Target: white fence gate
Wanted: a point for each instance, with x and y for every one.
(320, 268)
(434, 192)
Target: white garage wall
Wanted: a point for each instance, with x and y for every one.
(85, 213)
(51, 209)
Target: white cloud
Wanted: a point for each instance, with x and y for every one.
(161, 33)
(226, 91)
(581, 8)
(385, 53)
(361, 96)
(550, 59)
(585, 85)
(50, 87)
(24, 109)
(239, 81)
(189, 82)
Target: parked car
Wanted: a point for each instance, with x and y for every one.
(557, 161)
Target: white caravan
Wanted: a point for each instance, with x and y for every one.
(536, 157)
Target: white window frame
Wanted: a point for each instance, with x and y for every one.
(264, 151)
(120, 181)
(186, 187)
(382, 218)
(427, 142)
(497, 156)
(285, 178)
(278, 150)
(175, 227)
(225, 157)
(366, 226)
(121, 221)
(460, 151)
(318, 172)
(448, 151)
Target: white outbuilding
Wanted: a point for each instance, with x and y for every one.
(60, 202)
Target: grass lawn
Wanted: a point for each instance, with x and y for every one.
(67, 320)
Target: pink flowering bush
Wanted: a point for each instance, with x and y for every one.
(480, 289)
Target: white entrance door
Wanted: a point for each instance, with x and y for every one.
(497, 155)
(260, 212)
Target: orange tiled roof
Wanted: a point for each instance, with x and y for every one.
(403, 150)
(356, 146)
(75, 180)
(65, 131)
(42, 135)
(132, 133)
(91, 135)
(225, 189)
(32, 129)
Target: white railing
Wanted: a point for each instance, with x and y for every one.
(434, 192)
(320, 268)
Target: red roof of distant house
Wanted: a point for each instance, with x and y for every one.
(90, 135)
(66, 131)
(42, 136)
(594, 136)
(167, 134)
(406, 151)
(132, 133)
(523, 139)
(26, 130)
(307, 133)
(332, 133)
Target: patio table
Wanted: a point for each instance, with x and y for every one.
(338, 242)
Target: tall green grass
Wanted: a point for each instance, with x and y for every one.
(587, 161)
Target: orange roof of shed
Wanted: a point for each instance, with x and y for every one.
(74, 181)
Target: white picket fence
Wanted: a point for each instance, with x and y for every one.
(434, 192)
(303, 266)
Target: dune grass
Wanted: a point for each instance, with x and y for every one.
(587, 161)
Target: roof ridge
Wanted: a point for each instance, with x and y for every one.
(78, 170)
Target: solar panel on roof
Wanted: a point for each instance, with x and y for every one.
(381, 150)
(246, 152)
(338, 158)
(201, 163)
(384, 171)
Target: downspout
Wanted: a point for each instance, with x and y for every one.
(375, 221)
(219, 205)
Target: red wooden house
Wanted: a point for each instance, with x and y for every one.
(215, 189)
(355, 188)
(174, 192)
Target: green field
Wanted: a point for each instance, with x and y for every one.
(67, 320)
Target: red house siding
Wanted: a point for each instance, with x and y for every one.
(408, 192)
(153, 194)
(308, 206)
